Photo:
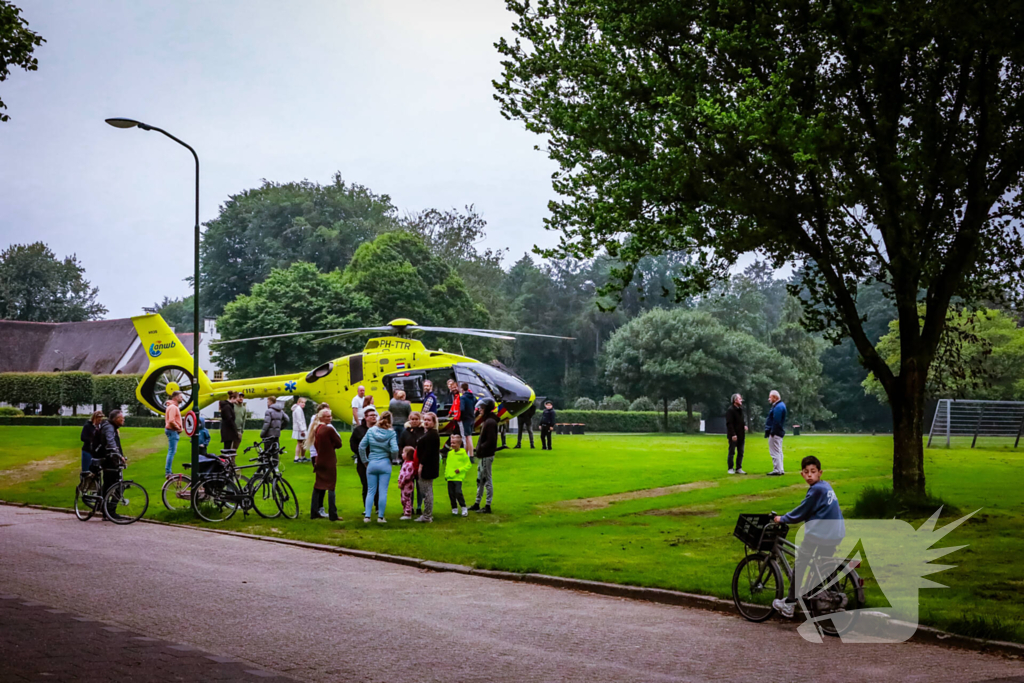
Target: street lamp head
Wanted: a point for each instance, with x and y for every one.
(127, 123)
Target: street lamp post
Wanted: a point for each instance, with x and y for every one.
(60, 383)
(131, 123)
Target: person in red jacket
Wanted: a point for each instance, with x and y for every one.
(455, 413)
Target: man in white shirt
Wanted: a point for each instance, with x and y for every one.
(357, 405)
(299, 429)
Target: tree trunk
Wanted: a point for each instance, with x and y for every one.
(664, 402)
(908, 433)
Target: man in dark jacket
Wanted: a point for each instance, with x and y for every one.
(229, 436)
(547, 425)
(526, 424)
(736, 432)
(273, 419)
(486, 446)
(774, 431)
(106, 449)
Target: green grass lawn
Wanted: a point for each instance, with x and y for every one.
(550, 516)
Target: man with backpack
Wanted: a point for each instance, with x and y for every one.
(467, 407)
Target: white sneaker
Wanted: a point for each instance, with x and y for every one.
(465, 512)
(381, 520)
(424, 519)
(404, 518)
(732, 471)
(323, 513)
(740, 471)
(455, 511)
(784, 608)
(366, 519)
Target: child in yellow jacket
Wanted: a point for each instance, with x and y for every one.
(455, 470)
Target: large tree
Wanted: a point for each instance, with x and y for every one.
(868, 140)
(664, 354)
(292, 299)
(17, 44)
(36, 285)
(277, 224)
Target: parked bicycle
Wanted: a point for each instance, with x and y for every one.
(124, 502)
(835, 587)
(218, 495)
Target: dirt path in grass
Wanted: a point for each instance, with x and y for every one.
(34, 469)
(605, 501)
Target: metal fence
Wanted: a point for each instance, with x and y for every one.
(963, 418)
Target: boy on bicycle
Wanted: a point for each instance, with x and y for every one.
(824, 530)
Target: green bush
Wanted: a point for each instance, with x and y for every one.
(11, 411)
(114, 389)
(677, 406)
(642, 404)
(49, 388)
(616, 402)
(585, 403)
(881, 502)
(621, 421)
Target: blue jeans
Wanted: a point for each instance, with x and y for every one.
(86, 460)
(378, 474)
(172, 448)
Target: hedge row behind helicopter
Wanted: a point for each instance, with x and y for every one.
(387, 364)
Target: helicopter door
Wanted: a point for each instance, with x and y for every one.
(409, 382)
(355, 369)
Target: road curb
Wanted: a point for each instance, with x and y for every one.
(923, 634)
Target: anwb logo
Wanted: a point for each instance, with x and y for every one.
(155, 348)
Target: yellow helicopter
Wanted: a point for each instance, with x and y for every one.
(386, 364)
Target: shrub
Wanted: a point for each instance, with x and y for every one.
(677, 406)
(71, 421)
(616, 402)
(49, 388)
(11, 411)
(881, 502)
(585, 403)
(642, 404)
(620, 421)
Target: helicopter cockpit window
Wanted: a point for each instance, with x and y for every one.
(320, 372)
(465, 374)
(501, 385)
(409, 382)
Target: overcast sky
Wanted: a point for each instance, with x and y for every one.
(396, 95)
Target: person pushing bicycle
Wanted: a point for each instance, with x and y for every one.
(824, 530)
(107, 451)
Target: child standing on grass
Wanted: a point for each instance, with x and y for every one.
(455, 470)
(407, 481)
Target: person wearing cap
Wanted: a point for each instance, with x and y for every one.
(486, 447)
(172, 428)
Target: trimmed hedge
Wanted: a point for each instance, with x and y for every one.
(48, 388)
(10, 411)
(623, 421)
(75, 420)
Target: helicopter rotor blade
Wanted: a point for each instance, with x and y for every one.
(343, 335)
(526, 334)
(461, 330)
(296, 334)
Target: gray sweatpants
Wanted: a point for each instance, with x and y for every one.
(483, 480)
(427, 487)
(775, 450)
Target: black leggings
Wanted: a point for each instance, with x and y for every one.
(318, 502)
(455, 494)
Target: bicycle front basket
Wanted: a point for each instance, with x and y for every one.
(751, 529)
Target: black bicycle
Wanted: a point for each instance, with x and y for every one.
(219, 494)
(836, 590)
(124, 502)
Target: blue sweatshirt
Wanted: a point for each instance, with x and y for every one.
(378, 444)
(820, 509)
(775, 423)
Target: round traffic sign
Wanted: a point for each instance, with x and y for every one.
(190, 423)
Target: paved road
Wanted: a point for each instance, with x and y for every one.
(318, 616)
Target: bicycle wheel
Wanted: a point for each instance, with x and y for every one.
(836, 613)
(215, 500)
(177, 492)
(263, 501)
(286, 499)
(87, 498)
(126, 502)
(755, 583)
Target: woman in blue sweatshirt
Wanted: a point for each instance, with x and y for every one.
(376, 450)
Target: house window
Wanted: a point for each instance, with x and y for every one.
(218, 375)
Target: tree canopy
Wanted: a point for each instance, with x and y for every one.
(277, 224)
(17, 43)
(293, 299)
(870, 141)
(37, 286)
